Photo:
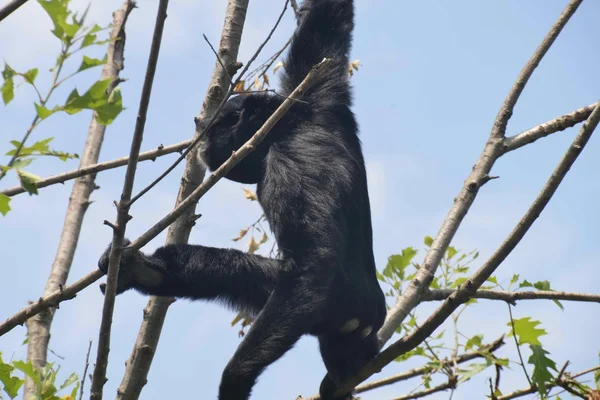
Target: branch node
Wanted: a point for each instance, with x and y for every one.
(113, 226)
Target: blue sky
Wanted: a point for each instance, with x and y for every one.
(433, 76)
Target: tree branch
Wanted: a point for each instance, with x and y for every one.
(478, 177)
(103, 166)
(52, 300)
(513, 297)
(547, 128)
(10, 8)
(99, 376)
(427, 392)
(489, 348)
(469, 288)
(38, 328)
(140, 360)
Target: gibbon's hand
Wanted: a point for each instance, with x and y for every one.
(127, 270)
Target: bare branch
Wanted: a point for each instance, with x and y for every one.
(485, 349)
(52, 300)
(423, 370)
(38, 327)
(140, 360)
(427, 392)
(469, 288)
(10, 8)
(513, 297)
(478, 177)
(506, 111)
(547, 128)
(533, 389)
(99, 376)
(85, 369)
(103, 166)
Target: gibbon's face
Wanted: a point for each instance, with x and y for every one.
(240, 118)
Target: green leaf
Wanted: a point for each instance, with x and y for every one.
(8, 72)
(21, 163)
(397, 263)
(94, 98)
(451, 252)
(428, 241)
(541, 368)
(88, 40)
(30, 75)
(527, 332)
(8, 90)
(89, 62)
(475, 341)
(514, 279)
(525, 283)
(28, 181)
(28, 370)
(42, 111)
(419, 351)
(4, 204)
(493, 280)
(471, 371)
(458, 282)
(107, 113)
(70, 380)
(58, 12)
(542, 285)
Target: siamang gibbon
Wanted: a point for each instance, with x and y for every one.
(312, 184)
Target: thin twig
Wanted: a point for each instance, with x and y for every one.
(506, 111)
(547, 128)
(99, 376)
(10, 8)
(427, 392)
(85, 369)
(103, 166)
(514, 334)
(513, 297)
(486, 349)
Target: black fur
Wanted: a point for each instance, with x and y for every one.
(312, 186)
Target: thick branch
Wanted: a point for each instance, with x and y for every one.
(99, 376)
(52, 300)
(513, 297)
(103, 166)
(10, 8)
(140, 360)
(38, 328)
(547, 128)
(478, 177)
(469, 288)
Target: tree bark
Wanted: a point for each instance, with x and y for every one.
(38, 327)
(140, 360)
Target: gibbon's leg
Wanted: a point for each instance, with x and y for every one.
(344, 355)
(289, 313)
(242, 280)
